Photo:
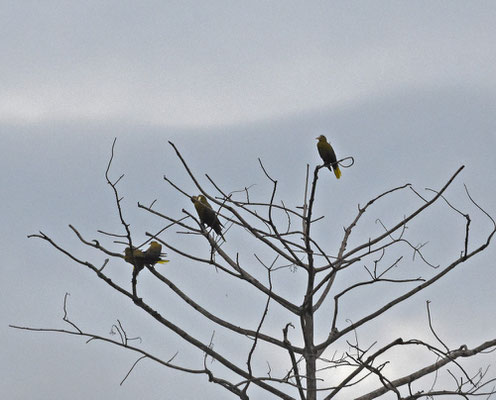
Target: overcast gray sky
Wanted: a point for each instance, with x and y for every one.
(407, 88)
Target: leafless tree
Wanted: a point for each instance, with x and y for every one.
(315, 366)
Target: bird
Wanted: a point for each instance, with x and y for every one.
(153, 253)
(206, 213)
(139, 258)
(328, 156)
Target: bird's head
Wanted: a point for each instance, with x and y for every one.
(321, 138)
(194, 199)
(127, 252)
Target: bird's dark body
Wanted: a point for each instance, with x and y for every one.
(327, 154)
(207, 215)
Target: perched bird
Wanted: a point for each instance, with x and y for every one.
(149, 257)
(328, 156)
(153, 253)
(207, 214)
(140, 258)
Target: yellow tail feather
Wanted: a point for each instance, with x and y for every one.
(337, 172)
(162, 261)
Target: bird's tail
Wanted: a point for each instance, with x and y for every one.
(162, 261)
(218, 231)
(337, 172)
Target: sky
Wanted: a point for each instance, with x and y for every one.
(406, 88)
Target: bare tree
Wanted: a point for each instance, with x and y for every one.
(314, 367)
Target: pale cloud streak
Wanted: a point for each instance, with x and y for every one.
(193, 70)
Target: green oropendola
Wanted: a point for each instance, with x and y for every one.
(328, 156)
(206, 213)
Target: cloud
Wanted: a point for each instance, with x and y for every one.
(175, 65)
